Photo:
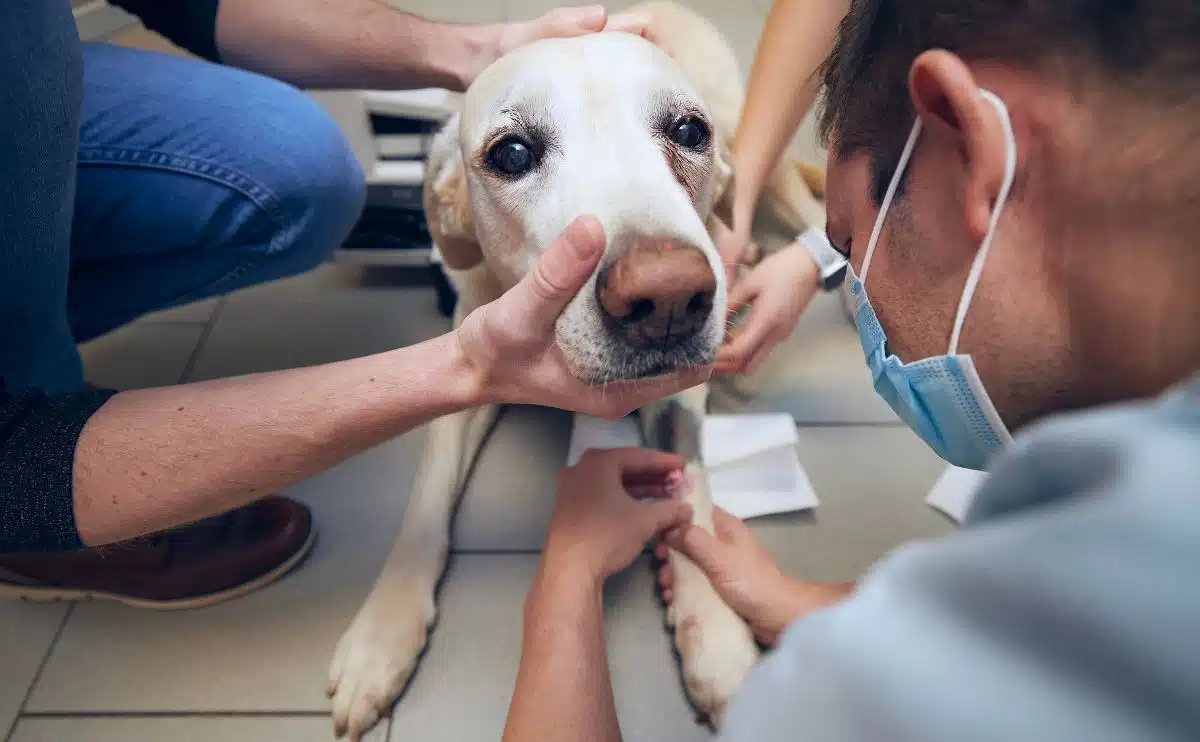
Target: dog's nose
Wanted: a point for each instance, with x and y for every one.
(659, 292)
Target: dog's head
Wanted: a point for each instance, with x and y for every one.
(607, 125)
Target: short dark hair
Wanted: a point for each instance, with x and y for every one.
(1150, 49)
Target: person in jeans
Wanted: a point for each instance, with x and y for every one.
(132, 182)
(1017, 188)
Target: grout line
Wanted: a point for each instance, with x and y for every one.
(303, 714)
(386, 722)
(37, 676)
(190, 366)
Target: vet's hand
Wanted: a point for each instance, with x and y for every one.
(609, 506)
(509, 344)
(777, 291)
(745, 575)
(732, 245)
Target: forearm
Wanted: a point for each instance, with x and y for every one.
(155, 458)
(797, 38)
(563, 691)
(346, 44)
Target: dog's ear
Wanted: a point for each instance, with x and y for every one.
(814, 178)
(448, 204)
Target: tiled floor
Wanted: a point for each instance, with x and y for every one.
(254, 669)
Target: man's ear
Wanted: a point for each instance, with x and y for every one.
(952, 108)
(448, 204)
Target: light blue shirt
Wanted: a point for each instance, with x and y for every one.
(1067, 609)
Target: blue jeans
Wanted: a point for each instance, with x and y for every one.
(132, 181)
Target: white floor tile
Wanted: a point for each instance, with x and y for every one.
(176, 729)
(141, 355)
(26, 632)
(328, 279)
(264, 335)
(471, 664)
(267, 651)
(510, 495)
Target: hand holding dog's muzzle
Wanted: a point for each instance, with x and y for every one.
(510, 348)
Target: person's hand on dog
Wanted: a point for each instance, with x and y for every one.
(777, 291)
(609, 506)
(509, 346)
(745, 575)
(565, 22)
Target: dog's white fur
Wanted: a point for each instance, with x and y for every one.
(600, 102)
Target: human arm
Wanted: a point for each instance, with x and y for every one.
(777, 291)
(563, 691)
(746, 576)
(107, 467)
(156, 458)
(349, 43)
(797, 38)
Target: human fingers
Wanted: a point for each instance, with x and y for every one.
(764, 351)
(743, 293)
(655, 517)
(734, 356)
(728, 527)
(542, 295)
(698, 545)
(631, 21)
(648, 466)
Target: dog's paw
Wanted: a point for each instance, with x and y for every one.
(374, 660)
(716, 652)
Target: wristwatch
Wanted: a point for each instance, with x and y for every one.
(831, 264)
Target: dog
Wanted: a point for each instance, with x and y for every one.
(637, 133)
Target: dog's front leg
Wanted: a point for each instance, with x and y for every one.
(716, 648)
(378, 653)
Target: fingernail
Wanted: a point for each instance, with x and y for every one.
(586, 237)
(591, 14)
(679, 483)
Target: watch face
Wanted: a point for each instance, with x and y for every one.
(835, 279)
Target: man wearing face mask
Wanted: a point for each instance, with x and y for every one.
(1016, 188)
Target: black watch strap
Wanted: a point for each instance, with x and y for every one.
(831, 264)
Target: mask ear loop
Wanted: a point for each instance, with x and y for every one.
(1010, 170)
(893, 186)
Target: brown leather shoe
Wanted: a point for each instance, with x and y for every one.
(189, 567)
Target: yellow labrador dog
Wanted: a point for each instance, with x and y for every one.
(637, 134)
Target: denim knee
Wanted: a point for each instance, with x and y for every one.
(317, 182)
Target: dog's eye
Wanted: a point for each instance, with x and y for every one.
(511, 157)
(691, 132)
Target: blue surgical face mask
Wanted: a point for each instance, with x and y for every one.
(941, 397)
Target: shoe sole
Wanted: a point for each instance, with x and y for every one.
(37, 594)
